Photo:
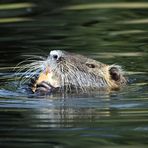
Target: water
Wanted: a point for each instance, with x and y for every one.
(108, 32)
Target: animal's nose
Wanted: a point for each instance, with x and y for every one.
(56, 54)
(55, 57)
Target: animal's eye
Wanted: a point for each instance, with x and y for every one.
(90, 65)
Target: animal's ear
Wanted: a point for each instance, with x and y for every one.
(115, 72)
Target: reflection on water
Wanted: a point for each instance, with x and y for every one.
(114, 33)
(13, 7)
(116, 5)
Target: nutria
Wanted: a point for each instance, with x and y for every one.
(68, 72)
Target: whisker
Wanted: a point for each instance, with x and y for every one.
(35, 57)
(30, 67)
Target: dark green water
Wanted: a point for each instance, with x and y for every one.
(108, 31)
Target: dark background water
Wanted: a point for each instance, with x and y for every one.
(108, 31)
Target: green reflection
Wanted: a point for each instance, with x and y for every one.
(16, 6)
(117, 5)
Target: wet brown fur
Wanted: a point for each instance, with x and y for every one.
(110, 77)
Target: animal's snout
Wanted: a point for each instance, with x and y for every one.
(56, 55)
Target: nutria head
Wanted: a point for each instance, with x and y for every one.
(69, 71)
